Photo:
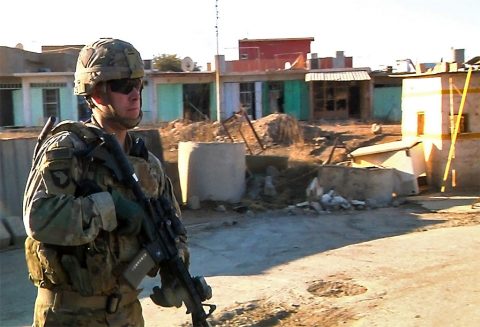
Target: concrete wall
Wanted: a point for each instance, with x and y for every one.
(432, 96)
(15, 162)
(205, 176)
(409, 164)
(375, 185)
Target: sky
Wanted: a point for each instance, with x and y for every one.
(375, 33)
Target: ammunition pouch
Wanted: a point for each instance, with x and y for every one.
(44, 267)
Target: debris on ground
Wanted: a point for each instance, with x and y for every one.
(306, 145)
(282, 135)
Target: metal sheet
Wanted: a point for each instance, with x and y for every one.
(384, 147)
(360, 75)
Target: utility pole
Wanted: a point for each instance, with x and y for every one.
(219, 64)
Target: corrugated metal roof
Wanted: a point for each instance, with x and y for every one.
(384, 147)
(358, 75)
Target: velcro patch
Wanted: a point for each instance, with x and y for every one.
(59, 154)
(60, 177)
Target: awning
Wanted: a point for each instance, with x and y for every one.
(357, 75)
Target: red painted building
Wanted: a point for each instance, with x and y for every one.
(286, 48)
(271, 54)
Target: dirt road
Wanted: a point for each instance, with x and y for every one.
(386, 267)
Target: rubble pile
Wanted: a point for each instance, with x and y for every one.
(278, 129)
(306, 145)
(297, 190)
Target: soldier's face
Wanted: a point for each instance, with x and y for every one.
(125, 96)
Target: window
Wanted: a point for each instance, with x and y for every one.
(420, 123)
(51, 103)
(463, 128)
(331, 97)
(247, 97)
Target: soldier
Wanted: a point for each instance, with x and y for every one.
(82, 223)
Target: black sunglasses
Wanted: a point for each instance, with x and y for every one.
(125, 85)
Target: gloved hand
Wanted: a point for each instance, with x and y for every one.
(87, 187)
(170, 294)
(130, 214)
(167, 296)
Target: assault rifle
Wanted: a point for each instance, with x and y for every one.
(159, 243)
(43, 134)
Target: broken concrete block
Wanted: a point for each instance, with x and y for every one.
(341, 202)
(221, 208)
(317, 206)
(314, 190)
(16, 228)
(376, 129)
(194, 202)
(269, 188)
(5, 237)
(272, 171)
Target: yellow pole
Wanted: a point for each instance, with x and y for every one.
(452, 117)
(455, 132)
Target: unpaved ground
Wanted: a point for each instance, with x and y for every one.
(395, 266)
(385, 267)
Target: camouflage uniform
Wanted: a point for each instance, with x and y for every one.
(75, 251)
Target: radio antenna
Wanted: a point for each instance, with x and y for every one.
(216, 24)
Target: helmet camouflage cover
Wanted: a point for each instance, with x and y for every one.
(104, 60)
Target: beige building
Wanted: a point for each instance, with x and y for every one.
(430, 109)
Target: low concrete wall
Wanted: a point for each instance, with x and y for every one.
(15, 163)
(212, 171)
(373, 184)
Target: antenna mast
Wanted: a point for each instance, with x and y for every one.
(216, 24)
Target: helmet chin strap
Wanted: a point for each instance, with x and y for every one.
(108, 113)
(128, 123)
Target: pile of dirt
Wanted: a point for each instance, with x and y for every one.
(282, 135)
(263, 313)
(310, 311)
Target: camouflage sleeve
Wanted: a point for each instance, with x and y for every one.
(52, 213)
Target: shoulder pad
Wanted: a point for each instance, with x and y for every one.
(77, 128)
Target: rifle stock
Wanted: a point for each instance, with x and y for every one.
(159, 243)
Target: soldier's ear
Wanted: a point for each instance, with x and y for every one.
(99, 94)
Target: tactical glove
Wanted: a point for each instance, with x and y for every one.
(171, 294)
(130, 214)
(87, 187)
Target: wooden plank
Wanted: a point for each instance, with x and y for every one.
(451, 152)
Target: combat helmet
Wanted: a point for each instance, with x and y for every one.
(104, 60)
